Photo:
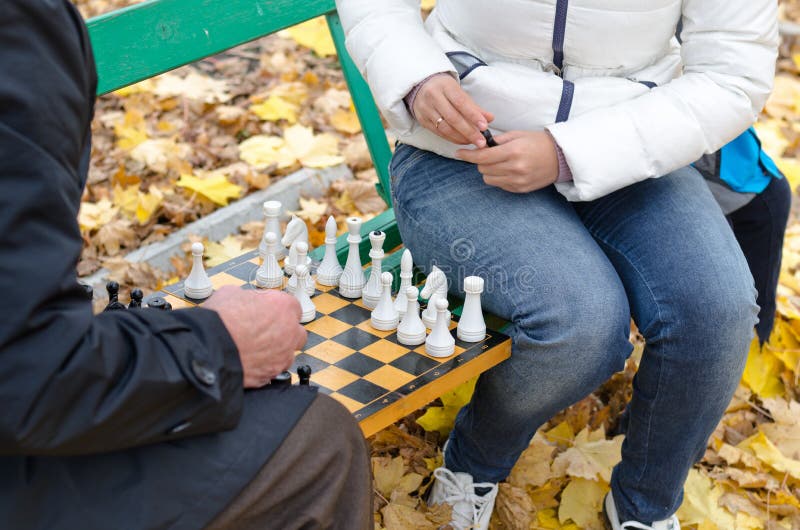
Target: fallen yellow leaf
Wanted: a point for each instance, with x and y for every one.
(346, 121)
(701, 503)
(314, 34)
(216, 187)
(766, 451)
(762, 371)
(581, 502)
(131, 131)
(311, 210)
(217, 253)
(276, 108)
(94, 215)
(589, 458)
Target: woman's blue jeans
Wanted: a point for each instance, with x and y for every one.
(569, 276)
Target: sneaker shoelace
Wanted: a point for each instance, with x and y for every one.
(632, 525)
(456, 493)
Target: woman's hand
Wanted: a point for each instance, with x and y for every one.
(442, 107)
(522, 162)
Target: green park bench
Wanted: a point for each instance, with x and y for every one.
(155, 36)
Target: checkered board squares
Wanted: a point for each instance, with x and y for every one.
(378, 379)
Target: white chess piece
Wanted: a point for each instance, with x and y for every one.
(351, 283)
(440, 343)
(269, 275)
(471, 326)
(385, 317)
(372, 291)
(301, 252)
(309, 310)
(272, 223)
(329, 270)
(197, 285)
(296, 231)
(406, 275)
(435, 288)
(411, 331)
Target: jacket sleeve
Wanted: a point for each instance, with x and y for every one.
(388, 42)
(70, 382)
(729, 50)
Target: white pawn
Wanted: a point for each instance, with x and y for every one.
(309, 310)
(372, 291)
(440, 343)
(329, 270)
(351, 283)
(384, 317)
(272, 223)
(435, 288)
(411, 331)
(471, 326)
(301, 251)
(406, 275)
(269, 275)
(197, 285)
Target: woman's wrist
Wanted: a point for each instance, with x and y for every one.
(411, 96)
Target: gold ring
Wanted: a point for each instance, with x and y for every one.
(440, 120)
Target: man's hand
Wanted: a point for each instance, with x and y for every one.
(265, 327)
(522, 161)
(461, 119)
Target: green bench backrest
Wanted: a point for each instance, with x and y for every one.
(155, 36)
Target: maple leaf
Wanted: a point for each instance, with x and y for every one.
(160, 153)
(137, 204)
(762, 371)
(276, 108)
(346, 121)
(131, 131)
(533, 466)
(766, 451)
(701, 503)
(299, 144)
(218, 253)
(114, 235)
(581, 502)
(94, 215)
(214, 187)
(443, 418)
(194, 86)
(313, 34)
(513, 507)
(590, 457)
(311, 210)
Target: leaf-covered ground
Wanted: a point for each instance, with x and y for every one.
(170, 150)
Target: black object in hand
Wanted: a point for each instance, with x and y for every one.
(490, 141)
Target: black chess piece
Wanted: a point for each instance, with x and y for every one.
(88, 291)
(113, 294)
(281, 380)
(136, 298)
(159, 303)
(304, 373)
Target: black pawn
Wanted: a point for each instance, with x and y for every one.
(113, 294)
(88, 291)
(136, 299)
(282, 379)
(159, 303)
(304, 373)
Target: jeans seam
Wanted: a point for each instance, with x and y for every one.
(660, 363)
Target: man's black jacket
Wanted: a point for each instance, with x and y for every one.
(104, 422)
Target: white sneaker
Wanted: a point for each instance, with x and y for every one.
(612, 519)
(470, 510)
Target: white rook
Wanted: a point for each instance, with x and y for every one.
(471, 326)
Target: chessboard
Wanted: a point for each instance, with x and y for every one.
(375, 377)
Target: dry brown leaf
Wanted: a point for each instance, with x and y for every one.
(513, 508)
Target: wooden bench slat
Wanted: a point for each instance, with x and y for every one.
(155, 36)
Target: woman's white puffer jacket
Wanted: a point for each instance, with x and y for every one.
(623, 99)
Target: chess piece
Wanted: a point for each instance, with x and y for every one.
(159, 303)
(351, 283)
(440, 343)
(136, 299)
(88, 291)
(411, 331)
(435, 288)
(304, 374)
(269, 275)
(198, 285)
(406, 276)
(272, 223)
(384, 317)
(301, 251)
(329, 270)
(296, 232)
(114, 304)
(309, 311)
(471, 326)
(372, 291)
(281, 380)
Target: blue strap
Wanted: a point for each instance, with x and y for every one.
(565, 105)
(559, 29)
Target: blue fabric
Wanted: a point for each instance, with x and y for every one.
(568, 276)
(744, 166)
